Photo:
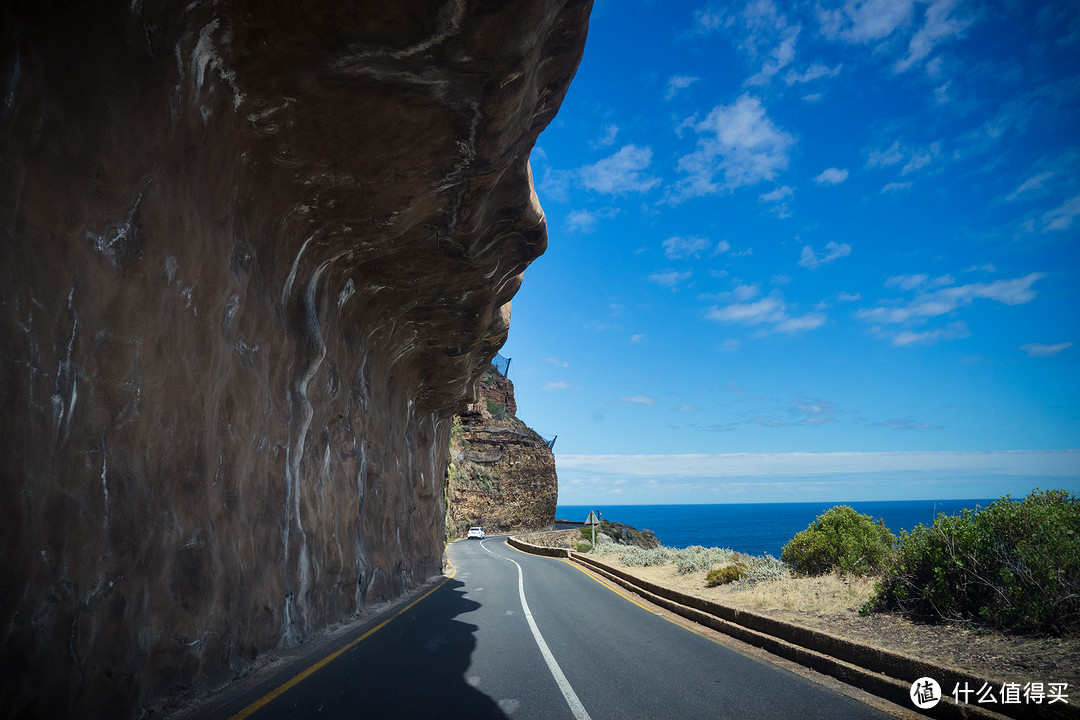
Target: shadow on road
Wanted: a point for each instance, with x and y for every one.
(412, 668)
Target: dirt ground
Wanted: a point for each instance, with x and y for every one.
(831, 604)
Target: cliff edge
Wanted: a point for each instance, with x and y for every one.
(253, 257)
(502, 473)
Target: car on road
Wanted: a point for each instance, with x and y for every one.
(475, 532)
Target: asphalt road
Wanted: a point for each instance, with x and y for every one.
(471, 650)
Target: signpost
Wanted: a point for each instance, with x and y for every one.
(593, 520)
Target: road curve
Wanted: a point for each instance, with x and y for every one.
(517, 636)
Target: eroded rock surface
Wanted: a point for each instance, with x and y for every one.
(502, 473)
(253, 255)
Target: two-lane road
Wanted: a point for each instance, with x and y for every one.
(518, 636)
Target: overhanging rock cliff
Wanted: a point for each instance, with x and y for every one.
(502, 473)
(253, 255)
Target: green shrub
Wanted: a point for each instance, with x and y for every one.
(725, 575)
(1014, 566)
(840, 538)
(584, 547)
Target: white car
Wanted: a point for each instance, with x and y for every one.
(475, 532)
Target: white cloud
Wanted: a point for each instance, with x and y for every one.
(677, 83)
(805, 322)
(634, 400)
(669, 278)
(770, 310)
(941, 302)
(814, 72)
(737, 141)
(939, 25)
(639, 338)
(1029, 185)
(580, 221)
(884, 158)
(1041, 350)
(777, 195)
(608, 138)
(906, 282)
(865, 22)
(676, 248)
(1052, 463)
(556, 385)
(953, 331)
(585, 221)
(895, 187)
(780, 57)
(557, 362)
(1061, 218)
(849, 297)
(831, 176)
(833, 251)
(621, 173)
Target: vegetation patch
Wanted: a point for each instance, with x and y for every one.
(840, 539)
(1014, 566)
(725, 575)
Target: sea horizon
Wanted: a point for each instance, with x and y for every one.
(759, 528)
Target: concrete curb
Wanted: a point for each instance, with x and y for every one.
(884, 673)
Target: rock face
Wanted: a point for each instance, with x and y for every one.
(502, 473)
(253, 256)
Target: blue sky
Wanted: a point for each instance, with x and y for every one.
(810, 251)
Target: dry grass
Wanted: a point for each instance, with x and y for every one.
(831, 603)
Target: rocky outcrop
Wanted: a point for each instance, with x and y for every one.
(502, 473)
(253, 256)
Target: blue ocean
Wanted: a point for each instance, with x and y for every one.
(757, 528)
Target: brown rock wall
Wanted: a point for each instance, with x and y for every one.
(502, 474)
(252, 257)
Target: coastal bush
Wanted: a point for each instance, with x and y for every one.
(764, 568)
(840, 538)
(1014, 566)
(725, 575)
(697, 558)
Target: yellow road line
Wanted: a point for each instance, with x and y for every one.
(270, 696)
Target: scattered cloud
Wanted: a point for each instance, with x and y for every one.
(946, 300)
(777, 195)
(687, 409)
(639, 338)
(895, 187)
(556, 385)
(738, 142)
(677, 83)
(831, 176)
(557, 362)
(814, 72)
(953, 331)
(621, 173)
(1041, 350)
(884, 158)
(608, 138)
(833, 251)
(939, 24)
(1031, 184)
(669, 278)
(864, 22)
(1061, 218)
(586, 221)
(770, 310)
(677, 248)
(848, 297)
(634, 400)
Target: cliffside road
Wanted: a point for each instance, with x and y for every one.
(469, 650)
